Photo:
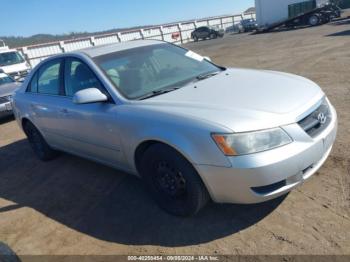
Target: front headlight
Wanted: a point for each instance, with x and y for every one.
(251, 142)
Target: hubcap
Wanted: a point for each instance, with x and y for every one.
(170, 180)
(313, 20)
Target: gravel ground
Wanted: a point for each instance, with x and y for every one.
(74, 206)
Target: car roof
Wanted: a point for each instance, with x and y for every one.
(111, 48)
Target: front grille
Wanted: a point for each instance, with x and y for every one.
(23, 73)
(317, 121)
(5, 99)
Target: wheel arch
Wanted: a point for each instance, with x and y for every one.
(192, 140)
(24, 121)
(144, 145)
(147, 143)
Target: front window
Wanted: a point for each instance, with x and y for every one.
(10, 58)
(4, 79)
(78, 76)
(143, 70)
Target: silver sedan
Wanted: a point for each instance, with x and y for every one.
(192, 130)
(7, 87)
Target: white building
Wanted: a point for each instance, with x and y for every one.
(269, 12)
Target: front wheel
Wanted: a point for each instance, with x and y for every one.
(195, 38)
(314, 20)
(213, 36)
(172, 181)
(38, 143)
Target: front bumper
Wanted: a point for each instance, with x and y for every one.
(263, 176)
(5, 109)
(20, 76)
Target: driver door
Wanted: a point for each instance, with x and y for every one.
(90, 130)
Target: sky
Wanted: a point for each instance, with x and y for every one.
(29, 17)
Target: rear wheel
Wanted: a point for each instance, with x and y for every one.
(172, 180)
(314, 20)
(38, 143)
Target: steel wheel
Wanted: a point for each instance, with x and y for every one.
(170, 180)
(173, 182)
(314, 20)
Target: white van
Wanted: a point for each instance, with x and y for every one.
(13, 63)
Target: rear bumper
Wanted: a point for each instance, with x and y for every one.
(263, 176)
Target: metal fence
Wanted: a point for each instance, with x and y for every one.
(178, 33)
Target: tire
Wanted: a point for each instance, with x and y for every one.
(195, 38)
(326, 19)
(213, 36)
(172, 181)
(314, 20)
(37, 142)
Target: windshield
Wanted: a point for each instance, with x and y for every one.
(10, 58)
(143, 70)
(4, 79)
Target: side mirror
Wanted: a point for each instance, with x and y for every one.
(207, 58)
(89, 95)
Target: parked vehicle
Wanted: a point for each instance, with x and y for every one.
(246, 25)
(309, 17)
(7, 87)
(205, 32)
(13, 63)
(192, 130)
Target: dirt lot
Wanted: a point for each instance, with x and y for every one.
(73, 206)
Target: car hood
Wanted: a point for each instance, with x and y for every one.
(244, 99)
(8, 89)
(15, 68)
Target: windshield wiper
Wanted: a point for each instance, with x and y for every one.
(158, 92)
(207, 75)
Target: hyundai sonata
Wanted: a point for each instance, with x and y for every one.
(192, 130)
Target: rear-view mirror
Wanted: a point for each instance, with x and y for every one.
(89, 95)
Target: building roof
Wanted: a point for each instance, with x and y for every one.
(111, 48)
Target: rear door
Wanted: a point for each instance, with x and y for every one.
(45, 93)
